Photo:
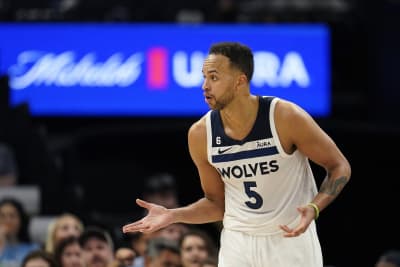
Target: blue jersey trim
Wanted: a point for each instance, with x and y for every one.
(245, 154)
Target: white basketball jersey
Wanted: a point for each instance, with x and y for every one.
(263, 184)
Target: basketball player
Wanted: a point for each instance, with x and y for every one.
(252, 154)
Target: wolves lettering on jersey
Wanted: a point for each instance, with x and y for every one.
(252, 149)
(249, 170)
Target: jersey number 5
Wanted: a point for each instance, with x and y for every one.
(253, 195)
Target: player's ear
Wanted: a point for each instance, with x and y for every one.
(242, 80)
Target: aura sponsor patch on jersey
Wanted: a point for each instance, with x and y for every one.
(252, 149)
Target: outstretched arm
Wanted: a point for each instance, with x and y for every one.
(299, 131)
(210, 208)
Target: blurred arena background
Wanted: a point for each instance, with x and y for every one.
(95, 166)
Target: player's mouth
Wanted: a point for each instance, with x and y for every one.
(207, 98)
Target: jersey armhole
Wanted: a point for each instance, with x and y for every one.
(273, 129)
(209, 136)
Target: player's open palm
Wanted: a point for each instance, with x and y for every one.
(307, 216)
(157, 217)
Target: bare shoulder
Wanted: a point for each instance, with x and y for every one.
(289, 110)
(292, 123)
(291, 118)
(197, 140)
(198, 129)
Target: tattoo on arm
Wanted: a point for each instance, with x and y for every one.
(333, 186)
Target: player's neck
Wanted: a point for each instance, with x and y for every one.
(239, 117)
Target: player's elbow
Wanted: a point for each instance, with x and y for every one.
(341, 169)
(346, 169)
(218, 204)
(341, 173)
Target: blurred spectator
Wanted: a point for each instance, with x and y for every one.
(161, 189)
(98, 247)
(63, 226)
(15, 243)
(162, 252)
(390, 258)
(125, 256)
(68, 253)
(209, 262)
(8, 166)
(196, 246)
(173, 231)
(39, 258)
(139, 241)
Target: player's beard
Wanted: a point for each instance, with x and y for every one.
(224, 100)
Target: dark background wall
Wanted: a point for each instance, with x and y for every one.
(95, 166)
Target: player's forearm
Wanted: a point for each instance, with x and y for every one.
(333, 184)
(201, 211)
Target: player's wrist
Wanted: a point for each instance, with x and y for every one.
(175, 215)
(315, 208)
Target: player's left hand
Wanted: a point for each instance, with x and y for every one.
(307, 216)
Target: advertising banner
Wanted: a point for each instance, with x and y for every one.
(155, 69)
